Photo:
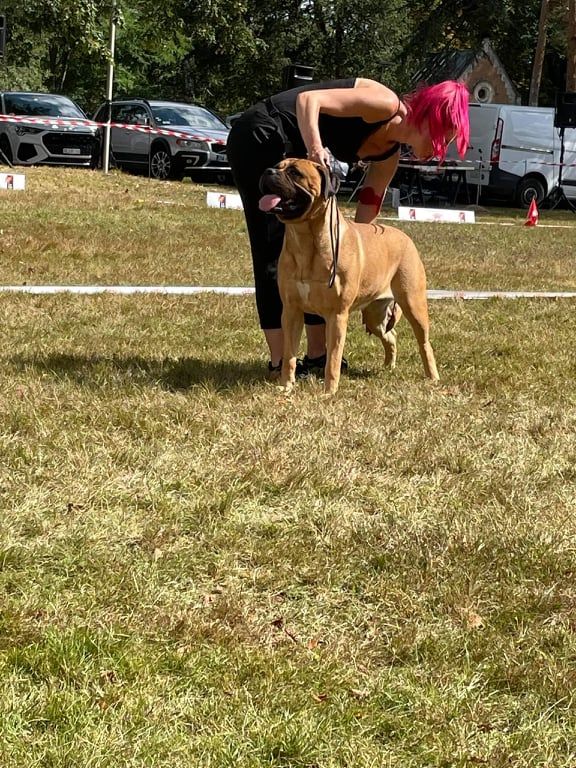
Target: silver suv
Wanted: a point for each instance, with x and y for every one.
(199, 152)
(57, 143)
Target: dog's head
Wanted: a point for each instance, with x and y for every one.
(296, 189)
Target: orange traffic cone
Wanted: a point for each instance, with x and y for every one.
(533, 214)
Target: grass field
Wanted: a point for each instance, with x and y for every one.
(198, 571)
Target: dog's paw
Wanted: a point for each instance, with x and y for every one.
(286, 387)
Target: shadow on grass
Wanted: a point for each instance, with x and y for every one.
(173, 374)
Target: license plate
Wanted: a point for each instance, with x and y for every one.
(71, 151)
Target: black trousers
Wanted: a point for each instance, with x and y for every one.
(256, 142)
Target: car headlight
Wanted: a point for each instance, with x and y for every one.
(192, 144)
(21, 130)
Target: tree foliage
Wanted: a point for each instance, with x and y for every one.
(511, 25)
(53, 35)
(228, 53)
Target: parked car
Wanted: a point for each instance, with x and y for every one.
(200, 153)
(59, 143)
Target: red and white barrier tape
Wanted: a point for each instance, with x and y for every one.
(537, 162)
(76, 122)
(476, 167)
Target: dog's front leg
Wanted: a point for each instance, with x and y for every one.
(292, 324)
(336, 326)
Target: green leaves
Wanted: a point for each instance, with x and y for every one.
(229, 53)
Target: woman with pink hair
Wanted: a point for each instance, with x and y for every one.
(352, 120)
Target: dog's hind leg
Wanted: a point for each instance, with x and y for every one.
(415, 306)
(380, 318)
(292, 325)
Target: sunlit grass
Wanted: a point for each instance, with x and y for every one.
(73, 226)
(197, 570)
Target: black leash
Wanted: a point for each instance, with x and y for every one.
(334, 239)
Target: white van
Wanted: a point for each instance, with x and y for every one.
(517, 152)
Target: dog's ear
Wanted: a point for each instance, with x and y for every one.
(330, 182)
(334, 183)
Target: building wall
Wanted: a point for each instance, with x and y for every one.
(489, 84)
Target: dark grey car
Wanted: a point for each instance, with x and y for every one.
(197, 146)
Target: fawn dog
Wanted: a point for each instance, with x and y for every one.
(330, 266)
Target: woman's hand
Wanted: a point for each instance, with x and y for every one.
(320, 155)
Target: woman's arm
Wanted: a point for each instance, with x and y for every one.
(376, 181)
(369, 100)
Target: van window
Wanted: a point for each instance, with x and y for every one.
(530, 130)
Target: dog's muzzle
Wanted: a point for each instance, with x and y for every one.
(270, 202)
(282, 196)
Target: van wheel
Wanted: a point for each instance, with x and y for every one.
(529, 188)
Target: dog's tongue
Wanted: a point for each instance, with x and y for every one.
(268, 202)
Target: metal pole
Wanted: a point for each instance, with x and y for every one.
(109, 87)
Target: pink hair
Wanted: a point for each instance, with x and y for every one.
(441, 108)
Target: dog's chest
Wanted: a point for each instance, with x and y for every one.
(302, 289)
(304, 270)
(312, 295)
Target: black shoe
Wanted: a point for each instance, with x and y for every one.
(315, 366)
(274, 370)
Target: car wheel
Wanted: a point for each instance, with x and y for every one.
(530, 188)
(5, 148)
(224, 178)
(161, 164)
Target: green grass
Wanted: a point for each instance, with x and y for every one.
(198, 571)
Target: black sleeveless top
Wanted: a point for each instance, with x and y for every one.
(342, 135)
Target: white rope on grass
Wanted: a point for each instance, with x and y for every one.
(439, 294)
(190, 290)
(174, 290)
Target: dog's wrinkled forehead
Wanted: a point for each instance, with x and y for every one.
(302, 172)
(312, 176)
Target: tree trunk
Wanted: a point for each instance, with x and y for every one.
(539, 54)
(64, 69)
(571, 48)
